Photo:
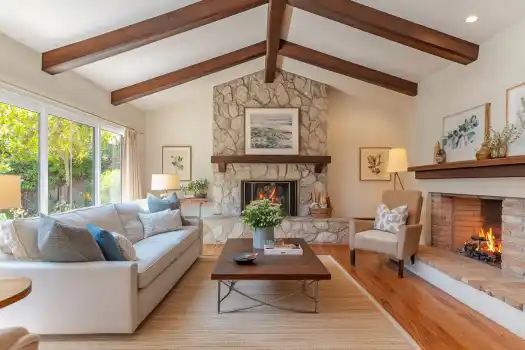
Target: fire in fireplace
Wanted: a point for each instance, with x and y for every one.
(468, 225)
(484, 246)
(279, 192)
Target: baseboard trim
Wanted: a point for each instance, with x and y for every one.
(494, 309)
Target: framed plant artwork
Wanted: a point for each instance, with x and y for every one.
(177, 160)
(464, 132)
(372, 164)
(271, 131)
(516, 116)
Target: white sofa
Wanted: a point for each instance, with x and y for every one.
(98, 297)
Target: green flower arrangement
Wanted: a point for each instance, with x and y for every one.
(263, 213)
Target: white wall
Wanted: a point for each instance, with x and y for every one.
(500, 66)
(369, 116)
(355, 123)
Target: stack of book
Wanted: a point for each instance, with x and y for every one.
(276, 248)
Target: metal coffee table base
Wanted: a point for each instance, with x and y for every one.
(258, 302)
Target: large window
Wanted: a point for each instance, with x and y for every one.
(19, 156)
(67, 159)
(70, 164)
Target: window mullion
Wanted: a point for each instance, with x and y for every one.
(98, 164)
(43, 152)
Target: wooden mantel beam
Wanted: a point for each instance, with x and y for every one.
(276, 10)
(187, 74)
(337, 65)
(392, 28)
(136, 35)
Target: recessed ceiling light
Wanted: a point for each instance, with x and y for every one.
(471, 19)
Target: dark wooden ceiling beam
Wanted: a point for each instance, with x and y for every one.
(136, 35)
(392, 28)
(187, 74)
(276, 10)
(349, 69)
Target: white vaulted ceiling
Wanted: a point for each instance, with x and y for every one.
(48, 24)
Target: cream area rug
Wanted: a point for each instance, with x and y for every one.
(187, 318)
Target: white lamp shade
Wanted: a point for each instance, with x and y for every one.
(10, 193)
(164, 182)
(397, 160)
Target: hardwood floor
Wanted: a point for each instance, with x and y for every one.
(433, 318)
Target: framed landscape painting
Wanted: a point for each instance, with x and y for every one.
(372, 164)
(464, 132)
(516, 116)
(271, 131)
(177, 160)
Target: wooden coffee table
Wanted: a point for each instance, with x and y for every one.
(306, 268)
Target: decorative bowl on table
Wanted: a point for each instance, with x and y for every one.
(245, 258)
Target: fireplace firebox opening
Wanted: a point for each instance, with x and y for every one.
(468, 225)
(279, 192)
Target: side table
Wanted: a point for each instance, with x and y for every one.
(13, 289)
(200, 201)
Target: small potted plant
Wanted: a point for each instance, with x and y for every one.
(197, 188)
(262, 216)
(201, 188)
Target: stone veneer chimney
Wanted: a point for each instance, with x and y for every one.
(287, 91)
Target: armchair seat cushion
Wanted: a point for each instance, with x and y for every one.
(377, 241)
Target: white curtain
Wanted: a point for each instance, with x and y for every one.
(132, 188)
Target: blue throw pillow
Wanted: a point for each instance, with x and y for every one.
(156, 204)
(106, 242)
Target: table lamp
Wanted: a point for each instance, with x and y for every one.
(165, 182)
(10, 193)
(397, 162)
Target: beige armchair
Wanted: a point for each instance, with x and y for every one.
(398, 246)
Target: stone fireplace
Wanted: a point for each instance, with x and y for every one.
(488, 229)
(287, 91)
(279, 192)
(237, 184)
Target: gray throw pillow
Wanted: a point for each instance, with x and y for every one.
(163, 221)
(390, 220)
(172, 202)
(58, 242)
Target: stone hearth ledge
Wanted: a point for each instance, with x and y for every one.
(217, 229)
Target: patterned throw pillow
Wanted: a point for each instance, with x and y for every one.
(390, 220)
(126, 247)
(163, 221)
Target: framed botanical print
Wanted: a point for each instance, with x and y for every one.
(177, 160)
(464, 132)
(516, 116)
(372, 164)
(271, 131)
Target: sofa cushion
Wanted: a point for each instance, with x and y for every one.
(377, 241)
(156, 253)
(129, 217)
(22, 234)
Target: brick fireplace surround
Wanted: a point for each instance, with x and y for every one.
(454, 218)
(497, 293)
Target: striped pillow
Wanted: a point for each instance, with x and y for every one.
(160, 222)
